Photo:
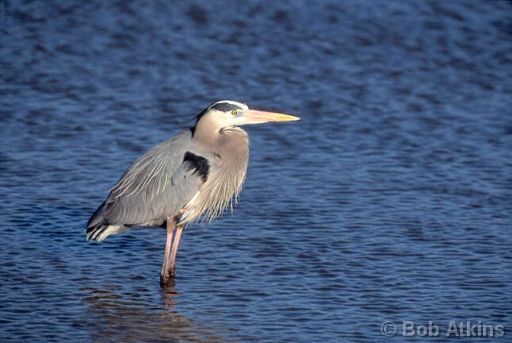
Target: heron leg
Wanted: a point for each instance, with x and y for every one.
(165, 276)
(174, 250)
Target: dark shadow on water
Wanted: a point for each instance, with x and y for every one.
(113, 316)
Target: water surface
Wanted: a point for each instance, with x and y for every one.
(390, 200)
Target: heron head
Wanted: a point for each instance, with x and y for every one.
(228, 113)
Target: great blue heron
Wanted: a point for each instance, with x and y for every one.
(198, 172)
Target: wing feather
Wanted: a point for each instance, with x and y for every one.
(154, 187)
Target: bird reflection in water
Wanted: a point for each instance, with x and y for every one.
(116, 316)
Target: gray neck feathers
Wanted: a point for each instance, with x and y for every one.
(228, 152)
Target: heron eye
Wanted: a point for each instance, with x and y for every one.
(234, 112)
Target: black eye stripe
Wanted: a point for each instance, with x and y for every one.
(219, 106)
(225, 107)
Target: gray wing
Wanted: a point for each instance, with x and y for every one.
(156, 186)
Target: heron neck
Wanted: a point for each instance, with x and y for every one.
(206, 132)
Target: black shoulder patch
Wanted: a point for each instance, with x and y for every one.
(199, 163)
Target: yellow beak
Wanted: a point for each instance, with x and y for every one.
(259, 117)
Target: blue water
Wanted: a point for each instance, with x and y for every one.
(390, 200)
